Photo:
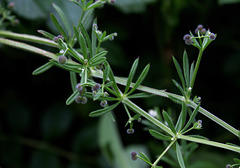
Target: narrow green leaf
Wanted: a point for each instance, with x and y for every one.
(145, 158)
(111, 77)
(73, 79)
(140, 95)
(98, 59)
(175, 100)
(94, 5)
(140, 79)
(98, 95)
(75, 54)
(43, 68)
(72, 98)
(179, 156)
(186, 68)
(182, 117)
(84, 76)
(103, 111)
(236, 160)
(68, 68)
(179, 71)
(81, 42)
(168, 119)
(192, 117)
(106, 72)
(87, 38)
(46, 34)
(89, 3)
(159, 135)
(58, 26)
(178, 86)
(87, 18)
(131, 75)
(94, 38)
(64, 18)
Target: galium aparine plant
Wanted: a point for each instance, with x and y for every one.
(81, 54)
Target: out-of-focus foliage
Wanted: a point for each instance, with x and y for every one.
(37, 129)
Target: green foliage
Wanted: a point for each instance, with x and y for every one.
(86, 58)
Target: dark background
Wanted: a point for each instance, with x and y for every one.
(37, 129)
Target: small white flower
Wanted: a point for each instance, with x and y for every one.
(153, 113)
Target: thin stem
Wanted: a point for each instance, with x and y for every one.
(178, 97)
(122, 81)
(138, 110)
(196, 68)
(163, 153)
(29, 38)
(211, 143)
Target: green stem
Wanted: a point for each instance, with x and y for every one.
(122, 81)
(163, 153)
(196, 68)
(211, 143)
(29, 38)
(138, 110)
(178, 97)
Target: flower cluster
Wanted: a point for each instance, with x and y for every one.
(201, 32)
(82, 99)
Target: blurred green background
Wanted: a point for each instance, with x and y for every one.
(37, 129)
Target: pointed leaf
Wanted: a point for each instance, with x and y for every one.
(186, 68)
(81, 42)
(46, 34)
(43, 68)
(168, 119)
(145, 158)
(140, 95)
(178, 86)
(66, 67)
(98, 59)
(140, 79)
(64, 18)
(175, 100)
(106, 74)
(94, 38)
(87, 38)
(179, 156)
(159, 135)
(131, 75)
(182, 117)
(75, 54)
(103, 111)
(192, 117)
(73, 79)
(179, 71)
(58, 26)
(72, 98)
(111, 77)
(236, 160)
